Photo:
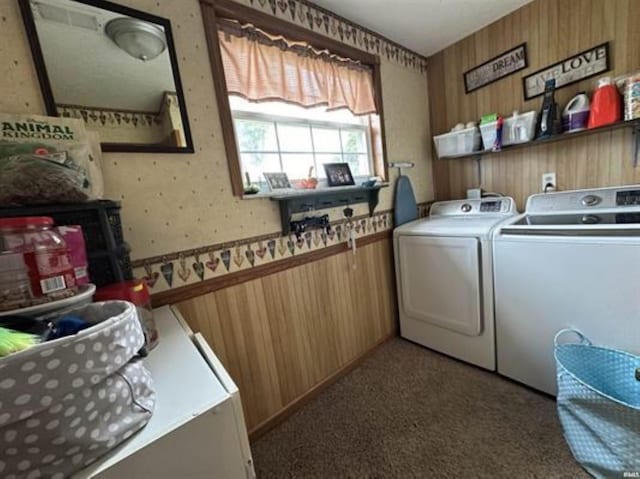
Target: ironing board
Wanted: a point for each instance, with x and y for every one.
(405, 208)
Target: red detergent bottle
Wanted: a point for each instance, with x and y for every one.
(606, 104)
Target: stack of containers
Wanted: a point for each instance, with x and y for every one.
(519, 128)
(107, 252)
(632, 97)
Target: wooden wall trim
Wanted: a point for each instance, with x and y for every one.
(224, 109)
(281, 416)
(214, 284)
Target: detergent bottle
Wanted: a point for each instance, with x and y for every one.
(606, 104)
(576, 114)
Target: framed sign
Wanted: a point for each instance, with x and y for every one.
(338, 174)
(498, 67)
(277, 181)
(571, 70)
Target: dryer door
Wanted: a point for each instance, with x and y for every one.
(440, 281)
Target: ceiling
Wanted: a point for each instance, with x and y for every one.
(425, 26)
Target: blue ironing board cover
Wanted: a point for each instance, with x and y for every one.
(405, 208)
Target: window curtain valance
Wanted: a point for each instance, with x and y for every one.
(259, 66)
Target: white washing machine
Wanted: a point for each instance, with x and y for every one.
(571, 261)
(444, 278)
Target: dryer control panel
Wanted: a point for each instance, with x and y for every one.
(493, 206)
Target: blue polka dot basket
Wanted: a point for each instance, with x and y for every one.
(66, 402)
(599, 406)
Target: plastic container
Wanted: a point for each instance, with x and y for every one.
(458, 142)
(107, 252)
(44, 252)
(632, 97)
(519, 128)
(136, 292)
(575, 115)
(606, 105)
(15, 285)
(74, 239)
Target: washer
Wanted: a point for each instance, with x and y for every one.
(444, 278)
(571, 261)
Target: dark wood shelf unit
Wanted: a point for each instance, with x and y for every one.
(307, 201)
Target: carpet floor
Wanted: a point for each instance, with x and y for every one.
(409, 412)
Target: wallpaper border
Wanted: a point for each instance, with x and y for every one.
(187, 267)
(318, 19)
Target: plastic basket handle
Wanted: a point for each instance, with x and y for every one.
(583, 339)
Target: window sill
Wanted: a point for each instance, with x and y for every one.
(293, 192)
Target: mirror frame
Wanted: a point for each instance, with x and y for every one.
(47, 92)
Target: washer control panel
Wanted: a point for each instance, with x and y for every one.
(628, 198)
(595, 199)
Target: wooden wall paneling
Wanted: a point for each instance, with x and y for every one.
(438, 103)
(553, 30)
(283, 334)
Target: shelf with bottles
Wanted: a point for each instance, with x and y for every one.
(581, 117)
(633, 124)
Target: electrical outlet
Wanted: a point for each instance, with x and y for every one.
(549, 182)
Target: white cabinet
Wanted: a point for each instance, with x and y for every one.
(197, 430)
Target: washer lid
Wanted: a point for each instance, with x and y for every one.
(587, 218)
(480, 225)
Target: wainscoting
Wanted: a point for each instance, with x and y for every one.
(283, 335)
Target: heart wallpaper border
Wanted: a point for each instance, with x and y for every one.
(182, 268)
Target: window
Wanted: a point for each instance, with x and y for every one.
(290, 99)
(274, 136)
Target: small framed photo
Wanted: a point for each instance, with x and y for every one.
(277, 181)
(338, 174)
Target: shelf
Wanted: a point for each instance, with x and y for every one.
(305, 201)
(634, 124)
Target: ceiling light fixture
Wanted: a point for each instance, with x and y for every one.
(140, 39)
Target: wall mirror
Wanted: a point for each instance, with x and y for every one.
(112, 66)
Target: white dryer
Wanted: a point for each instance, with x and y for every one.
(444, 278)
(571, 261)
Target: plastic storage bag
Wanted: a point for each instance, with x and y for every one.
(69, 401)
(599, 405)
(48, 160)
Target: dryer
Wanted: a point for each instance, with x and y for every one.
(444, 278)
(571, 261)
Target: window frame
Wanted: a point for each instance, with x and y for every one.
(214, 9)
(320, 124)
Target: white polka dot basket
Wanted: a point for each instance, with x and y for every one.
(64, 403)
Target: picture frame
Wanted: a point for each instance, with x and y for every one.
(586, 64)
(338, 174)
(277, 181)
(497, 68)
